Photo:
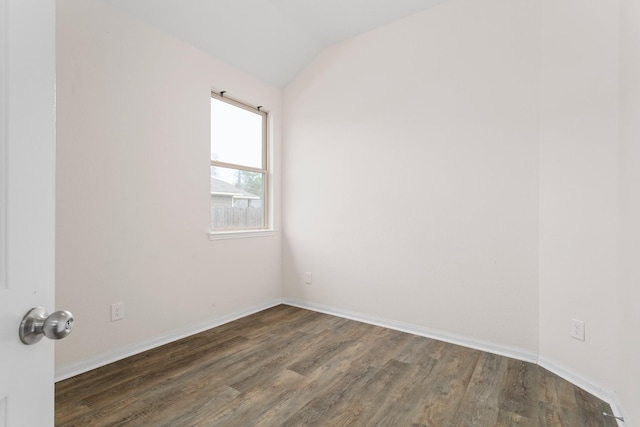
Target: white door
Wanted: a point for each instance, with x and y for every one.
(27, 206)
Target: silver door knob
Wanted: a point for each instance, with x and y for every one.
(38, 323)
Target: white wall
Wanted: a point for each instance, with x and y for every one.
(465, 170)
(411, 173)
(627, 381)
(578, 184)
(459, 170)
(133, 186)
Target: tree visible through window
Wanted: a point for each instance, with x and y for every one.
(238, 165)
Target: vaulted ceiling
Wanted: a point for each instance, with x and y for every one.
(271, 39)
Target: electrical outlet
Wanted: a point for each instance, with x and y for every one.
(307, 278)
(577, 329)
(117, 311)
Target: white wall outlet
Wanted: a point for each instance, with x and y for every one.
(117, 311)
(577, 329)
(308, 278)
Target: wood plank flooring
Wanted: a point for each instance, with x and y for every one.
(287, 366)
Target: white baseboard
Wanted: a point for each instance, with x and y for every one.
(514, 353)
(621, 412)
(587, 385)
(83, 366)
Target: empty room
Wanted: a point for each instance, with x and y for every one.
(330, 213)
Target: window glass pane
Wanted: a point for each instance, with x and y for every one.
(236, 135)
(237, 199)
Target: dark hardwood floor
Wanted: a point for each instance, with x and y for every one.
(291, 367)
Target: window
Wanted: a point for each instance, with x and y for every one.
(238, 165)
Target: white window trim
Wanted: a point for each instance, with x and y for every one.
(241, 234)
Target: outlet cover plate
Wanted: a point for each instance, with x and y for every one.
(577, 329)
(117, 311)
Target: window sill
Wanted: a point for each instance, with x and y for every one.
(240, 234)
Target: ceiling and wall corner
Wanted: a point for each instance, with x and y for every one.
(271, 39)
